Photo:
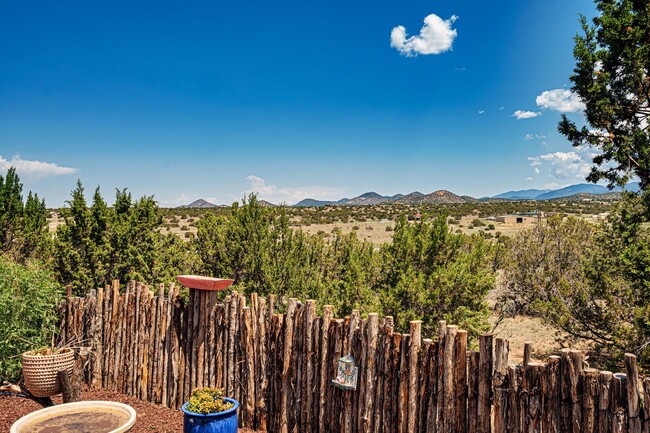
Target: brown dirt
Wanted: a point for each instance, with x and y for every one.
(150, 418)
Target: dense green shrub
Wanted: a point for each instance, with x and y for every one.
(28, 296)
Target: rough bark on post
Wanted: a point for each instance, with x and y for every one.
(372, 331)
(98, 337)
(440, 413)
(460, 381)
(433, 388)
(286, 363)
(484, 424)
(324, 356)
(389, 378)
(590, 400)
(413, 391)
(448, 380)
(403, 394)
(534, 374)
(604, 401)
(646, 405)
(552, 396)
(575, 377)
(248, 411)
(231, 304)
(262, 379)
(472, 392)
(618, 403)
(307, 400)
(528, 353)
(70, 387)
(500, 381)
(425, 384)
(633, 412)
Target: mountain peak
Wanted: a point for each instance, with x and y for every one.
(200, 204)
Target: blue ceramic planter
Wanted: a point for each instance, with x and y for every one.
(221, 422)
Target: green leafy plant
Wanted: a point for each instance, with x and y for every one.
(208, 400)
(28, 297)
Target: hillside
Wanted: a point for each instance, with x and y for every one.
(199, 204)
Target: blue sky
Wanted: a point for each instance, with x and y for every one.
(291, 99)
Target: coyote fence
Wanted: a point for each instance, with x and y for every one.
(280, 367)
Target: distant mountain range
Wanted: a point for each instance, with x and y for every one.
(581, 191)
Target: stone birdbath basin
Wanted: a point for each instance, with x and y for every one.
(204, 283)
(83, 416)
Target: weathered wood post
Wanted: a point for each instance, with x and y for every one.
(485, 384)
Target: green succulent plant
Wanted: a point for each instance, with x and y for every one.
(208, 400)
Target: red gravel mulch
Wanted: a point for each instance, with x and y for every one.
(151, 417)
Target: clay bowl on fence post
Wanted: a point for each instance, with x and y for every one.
(199, 282)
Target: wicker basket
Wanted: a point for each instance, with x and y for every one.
(40, 371)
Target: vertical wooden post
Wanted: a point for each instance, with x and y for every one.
(590, 400)
(528, 352)
(262, 383)
(372, 331)
(485, 384)
(575, 377)
(413, 390)
(424, 384)
(307, 399)
(514, 388)
(460, 381)
(646, 405)
(440, 413)
(286, 363)
(500, 381)
(472, 391)
(448, 379)
(324, 371)
(98, 337)
(633, 412)
(551, 422)
(619, 403)
(534, 374)
(604, 401)
(402, 397)
(248, 412)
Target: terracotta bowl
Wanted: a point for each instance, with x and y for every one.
(204, 283)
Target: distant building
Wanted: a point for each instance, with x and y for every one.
(522, 218)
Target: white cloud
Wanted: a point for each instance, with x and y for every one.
(290, 195)
(34, 169)
(529, 178)
(528, 137)
(564, 165)
(436, 36)
(521, 114)
(501, 108)
(460, 69)
(481, 111)
(562, 100)
(534, 161)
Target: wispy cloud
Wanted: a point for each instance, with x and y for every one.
(290, 195)
(35, 169)
(436, 36)
(521, 114)
(481, 111)
(562, 100)
(528, 137)
(564, 165)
